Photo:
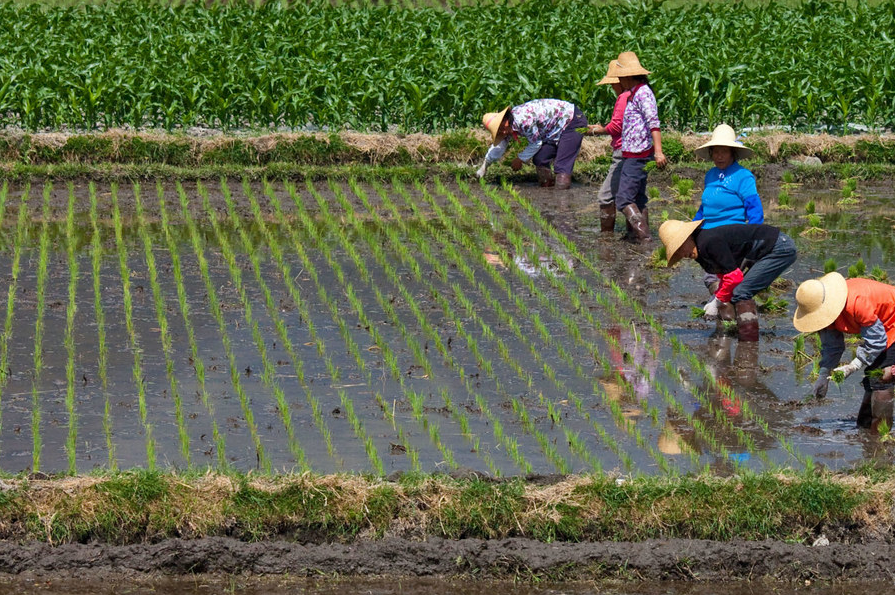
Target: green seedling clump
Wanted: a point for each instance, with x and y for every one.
(837, 376)
(783, 199)
(877, 273)
(859, 269)
(829, 265)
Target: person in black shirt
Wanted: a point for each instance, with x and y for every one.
(746, 257)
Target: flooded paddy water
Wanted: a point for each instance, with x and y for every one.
(439, 326)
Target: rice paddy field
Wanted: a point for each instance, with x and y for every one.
(437, 326)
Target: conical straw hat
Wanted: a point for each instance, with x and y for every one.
(492, 121)
(629, 65)
(611, 78)
(673, 234)
(820, 301)
(724, 136)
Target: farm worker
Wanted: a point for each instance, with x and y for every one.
(730, 195)
(833, 306)
(746, 257)
(606, 195)
(641, 143)
(549, 125)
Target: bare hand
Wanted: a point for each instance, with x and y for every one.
(516, 164)
(661, 161)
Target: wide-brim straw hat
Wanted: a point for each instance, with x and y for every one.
(820, 302)
(673, 234)
(724, 136)
(611, 77)
(492, 121)
(629, 65)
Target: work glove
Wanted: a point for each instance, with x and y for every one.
(822, 383)
(850, 368)
(710, 310)
(480, 172)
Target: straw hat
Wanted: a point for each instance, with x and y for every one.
(492, 121)
(629, 65)
(611, 78)
(820, 301)
(673, 234)
(724, 136)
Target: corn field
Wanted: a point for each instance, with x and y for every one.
(416, 67)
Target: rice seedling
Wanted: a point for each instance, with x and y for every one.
(69, 341)
(96, 249)
(783, 199)
(653, 193)
(878, 273)
(658, 258)
(829, 265)
(682, 189)
(18, 247)
(133, 341)
(810, 207)
(788, 177)
(859, 269)
(772, 305)
(43, 258)
(814, 228)
(195, 357)
(837, 376)
(214, 304)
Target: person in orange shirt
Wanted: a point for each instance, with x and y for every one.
(833, 306)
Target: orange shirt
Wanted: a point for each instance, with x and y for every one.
(867, 302)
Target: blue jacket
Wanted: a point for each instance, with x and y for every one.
(730, 196)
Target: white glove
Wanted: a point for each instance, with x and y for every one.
(850, 368)
(480, 172)
(710, 310)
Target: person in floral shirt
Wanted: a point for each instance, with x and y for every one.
(550, 126)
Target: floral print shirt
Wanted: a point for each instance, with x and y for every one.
(641, 118)
(538, 120)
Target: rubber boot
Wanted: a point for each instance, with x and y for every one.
(881, 408)
(545, 177)
(726, 312)
(747, 320)
(563, 181)
(607, 218)
(865, 413)
(638, 224)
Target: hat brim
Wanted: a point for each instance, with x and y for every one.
(633, 71)
(705, 151)
(674, 256)
(608, 80)
(835, 296)
(494, 126)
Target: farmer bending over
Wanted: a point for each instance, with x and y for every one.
(833, 306)
(746, 258)
(549, 125)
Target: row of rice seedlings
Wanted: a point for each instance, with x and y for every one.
(102, 348)
(162, 318)
(139, 379)
(350, 343)
(269, 374)
(678, 347)
(575, 442)
(582, 288)
(43, 260)
(407, 258)
(69, 340)
(18, 246)
(628, 425)
(304, 315)
(185, 313)
(214, 303)
(472, 344)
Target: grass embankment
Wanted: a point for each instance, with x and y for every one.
(129, 155)
(144, 506)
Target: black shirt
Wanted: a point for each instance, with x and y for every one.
(723, 249)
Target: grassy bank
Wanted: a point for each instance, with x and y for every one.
(144, 506)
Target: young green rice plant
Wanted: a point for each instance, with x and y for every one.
(814, 228)
(788, 177)
(849, 188)
(71, 250)
(683, 189)
(96, 249)
(185, 312)
(783, 199)
(837, 376)
(772, 305)
(658, 258)
(829, 265)
(653, 193)
(859, 269)
(43, 259)
(164, 332)
(810, 207)
(18, 247)
(133, 341)
(214, 303)
(878, 273)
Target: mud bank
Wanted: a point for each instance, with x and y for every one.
(651, 560)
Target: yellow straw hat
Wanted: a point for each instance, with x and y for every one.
(724, 136)
(820, 301)
(673, 234)
(629, 65)
(611, 78)
(492, 121)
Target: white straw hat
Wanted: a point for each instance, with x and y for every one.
(724, 136)
(492, 121)
(673, 234)
(820, 301)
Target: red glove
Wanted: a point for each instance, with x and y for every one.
(728, 282)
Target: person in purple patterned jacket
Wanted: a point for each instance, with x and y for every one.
(550, 126)
(641, 143)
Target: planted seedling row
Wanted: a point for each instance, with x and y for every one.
(43, 259)
(69, 340)
(18, 246)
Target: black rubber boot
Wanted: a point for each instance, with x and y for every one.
(747, 320)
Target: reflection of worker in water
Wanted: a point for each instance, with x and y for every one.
(833, 306)
(747, 258)
(633, 361)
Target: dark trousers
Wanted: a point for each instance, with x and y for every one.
(767, 268)
(883, 360)
(632, 183)
(564, 151)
